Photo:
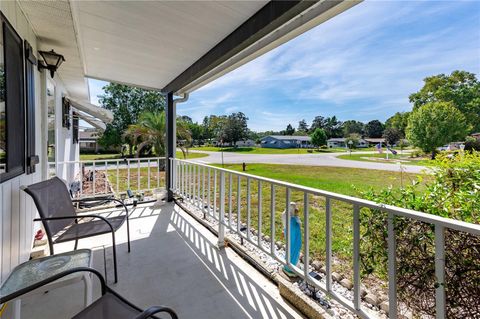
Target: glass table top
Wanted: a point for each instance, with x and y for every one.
(36, 270)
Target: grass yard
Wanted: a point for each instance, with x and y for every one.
(91, 157)
(393, 159)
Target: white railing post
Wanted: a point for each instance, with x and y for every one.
(259, 230)
(248, 208)
(128, 173)
(356, 257)
(239, 203)
(306, 237)
(328, 243)
(392, 267)
(287, 226)
(94, 180)
(194, 174)
(171, 175)
(209, 191)
(118, 177)
(230, 200)
(214, 193)
(272, 219)
(440, 271)
(221, 226)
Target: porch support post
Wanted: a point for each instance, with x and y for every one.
(171, 144)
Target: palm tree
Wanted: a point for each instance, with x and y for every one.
(150, 131)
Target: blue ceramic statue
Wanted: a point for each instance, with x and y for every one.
(295, 236)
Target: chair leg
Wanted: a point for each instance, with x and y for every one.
(50, 247)
(128, 235)
(114, 257)
(76, 244)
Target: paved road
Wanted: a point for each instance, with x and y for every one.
(320, 159)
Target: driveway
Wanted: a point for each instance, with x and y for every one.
(319, 159)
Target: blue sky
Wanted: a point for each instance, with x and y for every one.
(360, 65)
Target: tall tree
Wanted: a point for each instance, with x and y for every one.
(352, 127)
(126, 104)
(374, 129)
(319, 137)
(461, 88)
(398, 121)
(289, 130)
(435, 124)
(318, 122)
(235, 128)
(333, 127)
(302, 126)
(392, 135)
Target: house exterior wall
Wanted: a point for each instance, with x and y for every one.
(17, 210)
(272, 142)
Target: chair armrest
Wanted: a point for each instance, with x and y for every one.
(156, 309)
(110, 199)
(92, 199)
(44, 282)
(75, 217)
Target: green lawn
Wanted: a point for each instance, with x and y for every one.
(393, 159)
(340, 180)
(90, 157)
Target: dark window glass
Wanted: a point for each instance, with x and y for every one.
(13, 111)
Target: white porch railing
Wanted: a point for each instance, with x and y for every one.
(112, 176)
(211, 190)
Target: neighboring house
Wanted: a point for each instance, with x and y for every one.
(245, 143)
(286, 141)
(476, 135)
(374, 141)
(88, 141)
(341, 142)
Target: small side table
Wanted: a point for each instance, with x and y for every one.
(36, 270)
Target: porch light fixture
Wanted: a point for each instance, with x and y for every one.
(51, 61)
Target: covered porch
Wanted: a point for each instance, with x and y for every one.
(174, 261)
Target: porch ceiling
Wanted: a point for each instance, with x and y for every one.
(171, 45)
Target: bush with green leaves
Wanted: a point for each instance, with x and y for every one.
(453, 192)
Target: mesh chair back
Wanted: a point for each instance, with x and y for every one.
(52, 200)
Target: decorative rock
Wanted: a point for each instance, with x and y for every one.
(317, 265)
(384, 306)
(336, 276)
(382, 297)
(346, 283)
(266, 238)
(363, 291)
(323, 270)
(279, 244)
(371, 299)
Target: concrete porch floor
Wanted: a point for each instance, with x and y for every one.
(174, 262)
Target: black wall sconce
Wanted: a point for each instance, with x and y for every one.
(51, 61)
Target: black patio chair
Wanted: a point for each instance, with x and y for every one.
(110, 305)
(61, 221)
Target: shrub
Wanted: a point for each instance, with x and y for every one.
(454, 192)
